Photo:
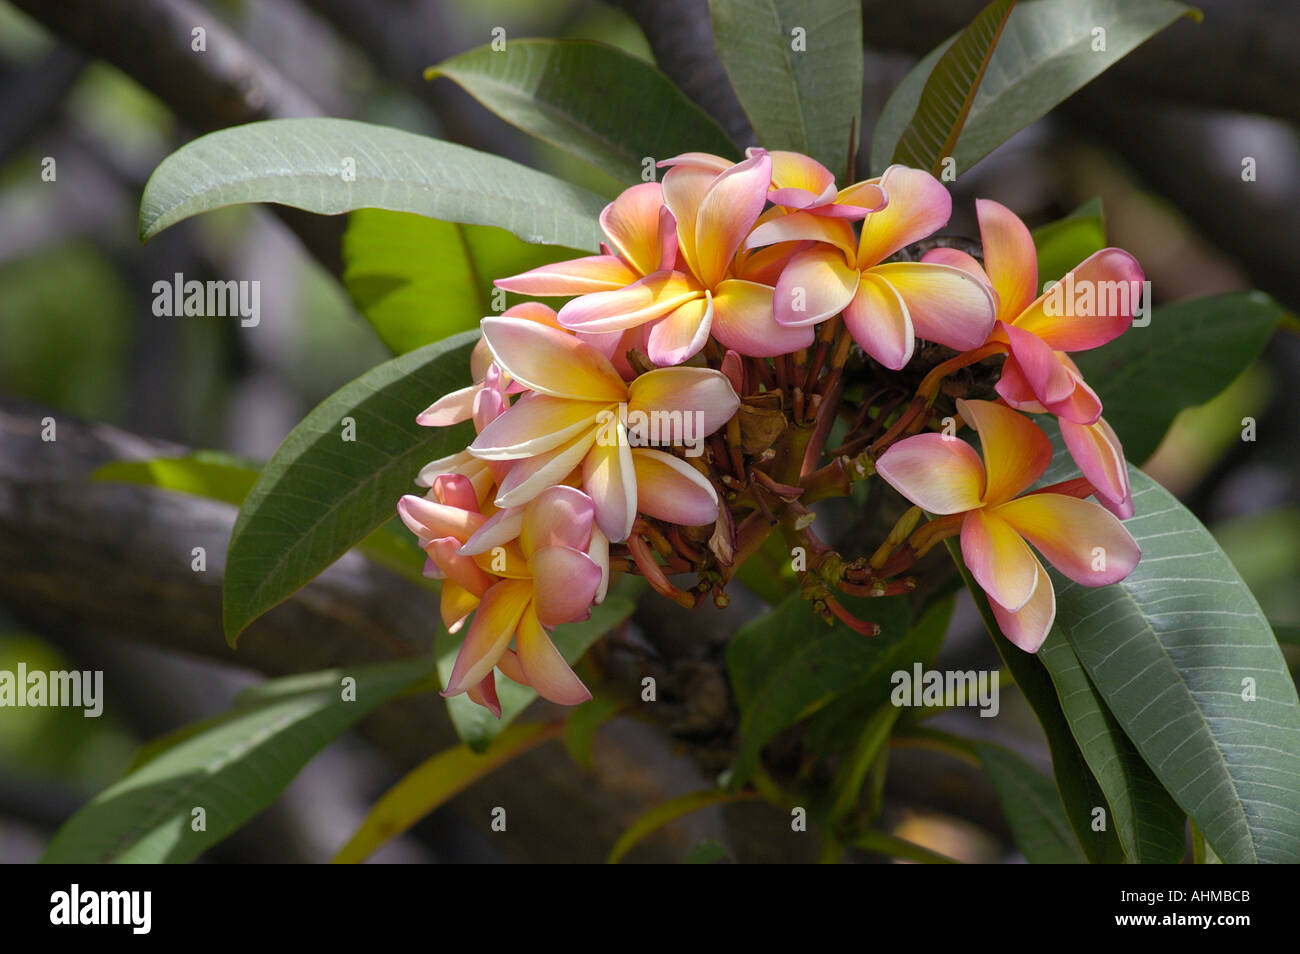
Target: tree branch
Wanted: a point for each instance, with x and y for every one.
(225, 85)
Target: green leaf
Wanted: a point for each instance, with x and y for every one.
(1078, 790)
(320, 494)
(418, 280)
(796, 66)
(580, 728)
(788, 664)
(478, 727)
(1063, 244)
(669, 812)
(852, 775)
(212, 474)
(1046, 53)
(836, 727)
(1168, 649)
(1149, 823)
(578, 95)
(233, 768)
(330, 166)
(767, 573)
(950, 90)
(433, 783)
(891, 846)
(1190, 351)
(1030, 802)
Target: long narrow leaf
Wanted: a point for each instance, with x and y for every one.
(433, 783)
(946, 100)
(337, 165)
(595, 101)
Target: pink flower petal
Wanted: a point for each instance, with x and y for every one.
(670, 394)
(489, 633)
(1015, 390)
(532, 310)
(1100, 457)
(805, 227)
(706, 161)
(682, 333)
(684, 188)
(529, 477)
(816, 285)
(429, 520)
(632, 224)
(610, 481)
(743, 321)
(565, 582)
(670, 489)
(544, 667)
(509, 662)
(878, 320)
(1016, 451)
(1010, 259)
(938, 473)
(1028, 626)
(999, 559)
(1081, 405)
(455, 490)
(1049, 379)
(460, 569)
(485, 695)
(551, 361)
(1091, 305)
(598, 550)
(535, 424)
(578, 276)
(450, 408)
(501, 528)
(1078, 537)
(918, 206)
(726, 215)
(559, 516)
(958, 259)
(794, 170)
(647, 299)
(945, 304)
(865, 194)
(456, 605)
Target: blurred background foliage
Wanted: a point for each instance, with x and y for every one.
(78, 335)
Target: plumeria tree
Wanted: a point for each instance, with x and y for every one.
(762, 372)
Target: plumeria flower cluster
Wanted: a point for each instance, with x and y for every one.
(675, 411)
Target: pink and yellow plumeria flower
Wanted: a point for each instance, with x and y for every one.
(575, 419)
(886, 306)
(943, 475)
(700, 294)
(544, 579)
(459, 405)
(1038, 374)
(799, 184)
